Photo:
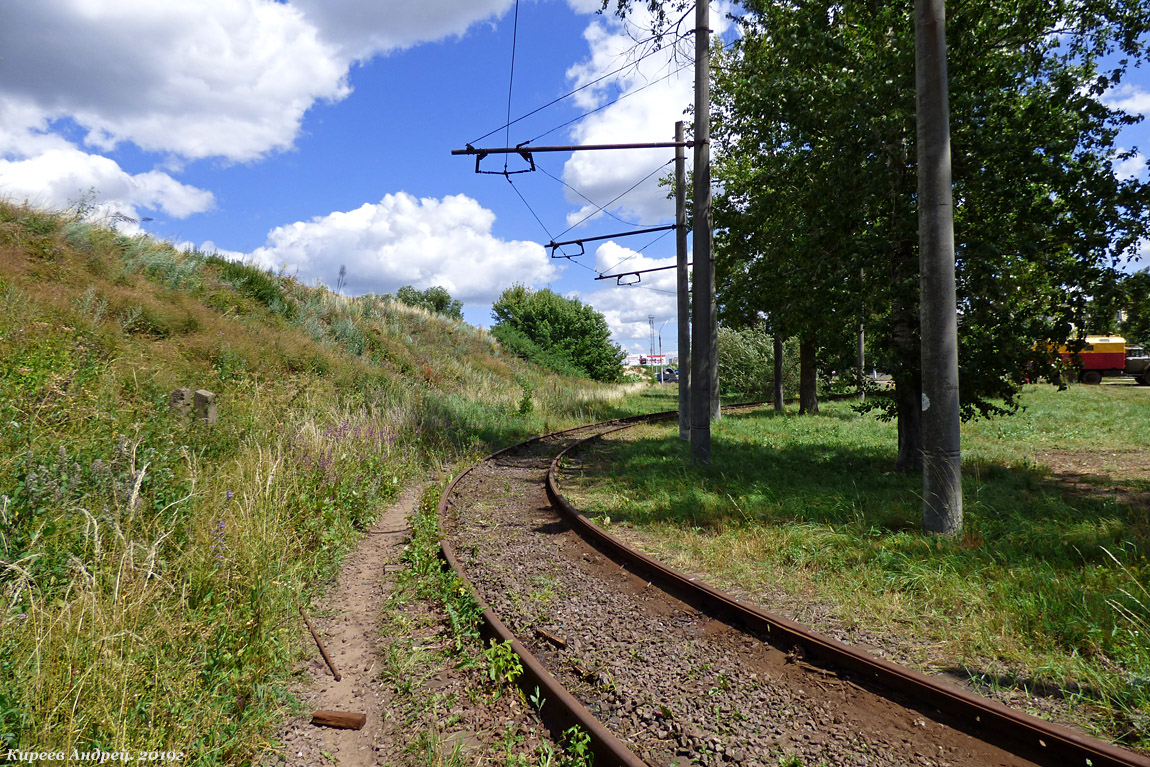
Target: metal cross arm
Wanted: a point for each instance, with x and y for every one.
(556, 245)
(638, 274)
(526, 152)
(481, 153)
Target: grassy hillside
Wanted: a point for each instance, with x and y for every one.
(151, 565)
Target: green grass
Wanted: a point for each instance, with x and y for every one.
(1045, 591)
(151, 567)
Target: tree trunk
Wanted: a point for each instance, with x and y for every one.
(942, 459)
(778, 373)
(808, 377)
(908, 399)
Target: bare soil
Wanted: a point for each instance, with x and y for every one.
(347, 620)
(424, 698)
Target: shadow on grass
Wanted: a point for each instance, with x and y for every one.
(1033, 567)
(1011, 513)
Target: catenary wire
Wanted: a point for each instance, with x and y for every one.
(511, 81)
(637, 252)
(569, 94)
(600, 209)
(612, 102)
(588, 199)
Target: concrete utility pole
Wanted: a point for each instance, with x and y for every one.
(941, 457)
(704, 371)
(683, 289)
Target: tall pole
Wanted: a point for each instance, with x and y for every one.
(778, 355)
(703, 270)
(941, 457)
(651, 322)
(683, 295)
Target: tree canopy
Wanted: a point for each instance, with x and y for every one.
(563, 328)
(435, 299)
(814, 127)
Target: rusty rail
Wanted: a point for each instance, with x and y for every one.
(984, 719)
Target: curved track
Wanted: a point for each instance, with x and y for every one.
(660, 669)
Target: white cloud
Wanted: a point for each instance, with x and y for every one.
(228, 78)
(362, 28)
(59, 177)
(403, 240)
(1131, 167)
(213, 78)
(1129, 98)
(231, 79)
(657, 90)
(626, 309)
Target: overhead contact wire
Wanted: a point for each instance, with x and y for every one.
(612, 102)
(511, 83)
(602, 209)
(567, 95)
(588, 199)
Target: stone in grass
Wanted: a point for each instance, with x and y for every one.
(205, 405)
(202, 402)
(181, 401)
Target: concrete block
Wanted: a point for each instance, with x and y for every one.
(205, 406)
(181, 401)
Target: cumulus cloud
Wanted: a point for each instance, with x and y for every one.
(230, 79)
(365, 27)
(59, 177)
(626, 308)
(227, 78)
(655, 93)
(1131, 167)
(402, 240)
(214, 78)
(1129, 98)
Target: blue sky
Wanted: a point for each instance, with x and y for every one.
(314, 134)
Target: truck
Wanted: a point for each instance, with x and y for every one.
(1108, 356)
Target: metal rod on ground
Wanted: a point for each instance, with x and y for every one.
(682, 287)
(322, 650)
(703, 270)
(941, 457)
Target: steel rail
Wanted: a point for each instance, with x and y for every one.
(987, 720)
(562, 709)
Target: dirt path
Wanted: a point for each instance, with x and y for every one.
(348, 621)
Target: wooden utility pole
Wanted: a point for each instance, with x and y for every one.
(683, 289)
(941, 457)
(704, 371)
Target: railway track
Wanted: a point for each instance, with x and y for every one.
(659, 669)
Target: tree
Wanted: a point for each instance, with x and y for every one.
(1122, 307)
(435, 299)
(563, 327)
(816, 146)
(747, 363)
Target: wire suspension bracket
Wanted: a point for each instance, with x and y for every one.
(526, 152)
(556, 245)
(637, 274)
